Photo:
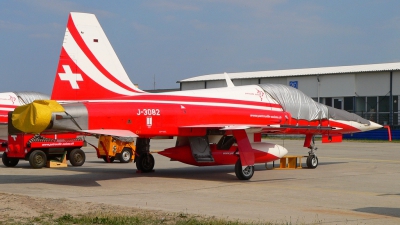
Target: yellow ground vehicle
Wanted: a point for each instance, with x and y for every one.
(111, 148)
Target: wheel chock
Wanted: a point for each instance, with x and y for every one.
(58, 164)
(288, 162)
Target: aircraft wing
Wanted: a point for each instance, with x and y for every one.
(112, 132)
(272, 127)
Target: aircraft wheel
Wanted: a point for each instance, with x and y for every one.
(312, 161)
(125, 156)
(77, 157)
(9, 162)
(245, 174)
(37, 159)
(145, 163)
(110, 159)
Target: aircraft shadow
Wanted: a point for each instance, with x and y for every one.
(304, 165)
(389, 194)
(86, 177)
(385, 211)
(89, 177)
(212, 173)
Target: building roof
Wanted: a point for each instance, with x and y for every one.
(300, 72)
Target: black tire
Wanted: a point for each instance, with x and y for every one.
(77, 157)
(312, 161)
(125, 156)
(145, 163)
(245, 174)
(110, 159)
(9, 162)
(37, 159)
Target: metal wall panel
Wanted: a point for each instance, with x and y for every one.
(274, 80)
(396, 83)
(192, 85)
(216, 83)
(240, 82)
(307, 84)
(372, 84)
(337, 85)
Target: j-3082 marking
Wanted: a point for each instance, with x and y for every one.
(148, 112)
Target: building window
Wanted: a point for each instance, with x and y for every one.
(384, 103)
(372, 109)
(328, 101)
(360, 106)
(348, 104)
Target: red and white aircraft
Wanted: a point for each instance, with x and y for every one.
(213, 126)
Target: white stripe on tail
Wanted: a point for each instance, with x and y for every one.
(88, 67)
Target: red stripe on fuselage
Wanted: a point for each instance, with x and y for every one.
(82, 45)
(178, 98)
(11, 107)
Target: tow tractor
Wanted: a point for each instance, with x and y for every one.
(51, 150)
(111, 148)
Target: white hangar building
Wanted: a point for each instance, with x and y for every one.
(371, 91)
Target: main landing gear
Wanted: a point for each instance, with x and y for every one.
(144, 161)
(243, 174)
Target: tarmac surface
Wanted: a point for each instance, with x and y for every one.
(354, 183)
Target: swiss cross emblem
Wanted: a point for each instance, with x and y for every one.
(73, 78)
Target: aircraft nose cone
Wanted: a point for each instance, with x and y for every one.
(371, 126)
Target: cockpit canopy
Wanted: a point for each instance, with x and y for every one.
(302, 107)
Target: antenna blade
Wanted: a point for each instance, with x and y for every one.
(229, 82)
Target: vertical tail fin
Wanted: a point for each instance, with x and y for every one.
(88, 67)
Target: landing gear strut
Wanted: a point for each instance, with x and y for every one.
(312, 159)
(144, 160)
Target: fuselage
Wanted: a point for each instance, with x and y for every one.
(192, 113)
(174, 114)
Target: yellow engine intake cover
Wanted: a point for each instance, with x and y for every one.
(36, 116)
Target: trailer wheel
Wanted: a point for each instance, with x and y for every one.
(145, 163)
(125, 156)
(110, 159)
(77, 157)
(37, 159)
(9, 162)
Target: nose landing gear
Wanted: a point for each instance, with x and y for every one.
(312, 159)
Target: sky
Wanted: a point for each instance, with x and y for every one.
(160, 42)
